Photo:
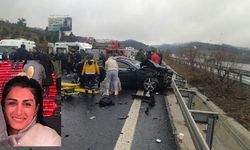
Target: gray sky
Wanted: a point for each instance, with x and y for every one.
(147, 21)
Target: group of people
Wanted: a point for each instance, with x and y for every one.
(43, 66)
(89, 72)
(153, 55)
(69, 60)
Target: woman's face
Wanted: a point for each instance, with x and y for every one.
(19, 108)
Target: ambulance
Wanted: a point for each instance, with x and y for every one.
(13, 44)
(66, 47)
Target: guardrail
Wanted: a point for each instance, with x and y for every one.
(193, 116)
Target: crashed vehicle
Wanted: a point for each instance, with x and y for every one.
(147, 75)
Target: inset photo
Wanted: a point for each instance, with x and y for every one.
(30, 109)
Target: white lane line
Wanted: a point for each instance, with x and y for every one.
(125, 139)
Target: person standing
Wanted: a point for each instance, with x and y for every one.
(45, 60)
(90, 71)
(155, 57)
(5, 56)
(102, 59)
(11, 58)
(21, 54)
(35, 70)
(58, 73)
(112, 78)
(140, 56)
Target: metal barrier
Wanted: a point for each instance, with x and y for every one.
(190, 116)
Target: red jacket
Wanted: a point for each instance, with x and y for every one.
(156, 58)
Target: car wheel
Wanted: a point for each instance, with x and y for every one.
(150, 84)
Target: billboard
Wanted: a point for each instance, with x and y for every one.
(60, 24)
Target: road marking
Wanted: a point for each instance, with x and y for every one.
(125, 139)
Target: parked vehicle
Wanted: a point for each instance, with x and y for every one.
(13, 44)
(65, 47)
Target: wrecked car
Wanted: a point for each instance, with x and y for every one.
(146, 75)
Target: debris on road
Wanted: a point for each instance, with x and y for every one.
(93, 117)
(158, 140)
(67, 135)
(122, 118)
(180, 136)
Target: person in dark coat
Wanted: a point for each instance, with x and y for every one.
(11, 57)
(35, 54)
(46, 61)
(140, 56)
(77, 59)
(21, 54)
(102, 59)
(4, 56)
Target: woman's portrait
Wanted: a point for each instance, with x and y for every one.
(21, 109)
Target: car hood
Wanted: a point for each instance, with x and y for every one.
(151, 64)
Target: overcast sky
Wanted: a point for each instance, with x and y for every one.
(147, 21)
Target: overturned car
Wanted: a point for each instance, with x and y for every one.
(146, 75)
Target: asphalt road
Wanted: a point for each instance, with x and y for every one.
(85, 125)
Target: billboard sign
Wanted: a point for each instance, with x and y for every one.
(60, 24)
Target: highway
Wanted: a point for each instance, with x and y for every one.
(125, 125)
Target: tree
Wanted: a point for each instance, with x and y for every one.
(27, 35)
(191, 55)
(21, 22)
(41, 38)
(5, 32)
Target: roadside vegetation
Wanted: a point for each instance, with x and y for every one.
(229, 95)
(20, 29)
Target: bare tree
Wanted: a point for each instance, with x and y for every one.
(191, 55)
(227, 68)
(21, 22)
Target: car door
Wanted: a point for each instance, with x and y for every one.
(127, 74)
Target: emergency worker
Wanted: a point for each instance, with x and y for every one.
(90, 72)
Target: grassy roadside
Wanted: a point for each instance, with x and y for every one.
(233, 99)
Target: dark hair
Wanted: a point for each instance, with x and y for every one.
(25, 82)
(90, 56)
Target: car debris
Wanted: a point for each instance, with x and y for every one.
(91, 118)
(158, 140)
(122, 118)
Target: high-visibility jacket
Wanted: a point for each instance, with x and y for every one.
(156, 58)
(90, 67)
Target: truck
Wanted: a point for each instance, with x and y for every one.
(13, 44)
(108, 47)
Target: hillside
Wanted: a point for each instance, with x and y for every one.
(42, 37)
(202, 46)
(242, 53)
(136, 45)
(20, 30)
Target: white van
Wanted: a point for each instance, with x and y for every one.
(65, 47)
(13, 44)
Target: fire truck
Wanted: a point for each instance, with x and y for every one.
(108, 47)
